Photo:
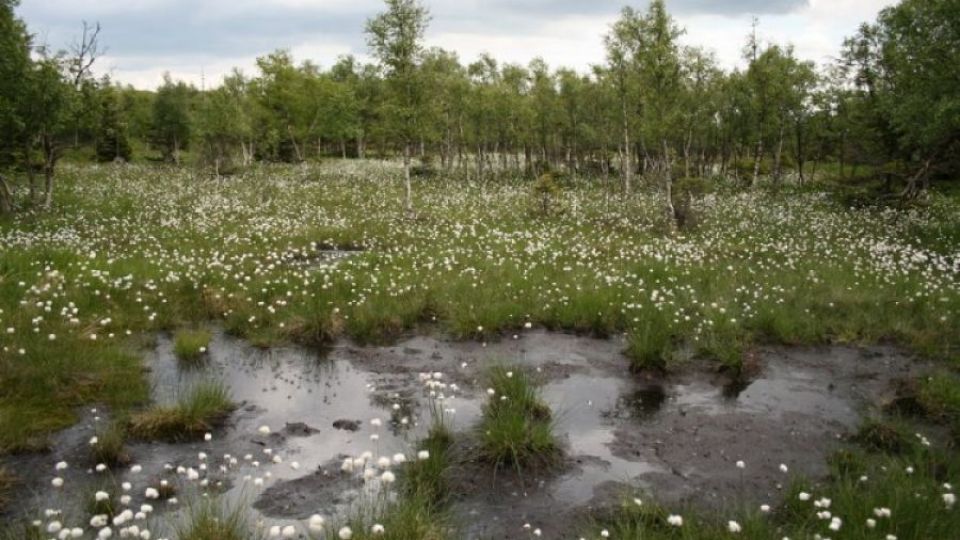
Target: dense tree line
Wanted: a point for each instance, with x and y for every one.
(651, 110)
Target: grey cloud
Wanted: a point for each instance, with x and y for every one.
(188, 29)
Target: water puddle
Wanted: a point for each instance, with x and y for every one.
(677, 437)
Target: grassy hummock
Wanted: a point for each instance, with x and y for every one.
(195, 414)
(212, 519)
(190, 346)
(517, 427)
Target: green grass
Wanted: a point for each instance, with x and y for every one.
(190, 346)
(860, 482)
(110, 448)
(516, 428)
(940, 397)
(41, 390)
(147, 249)
(195, 414)
(885, 435)
(419, 510)
(212, 519)
(108, 507)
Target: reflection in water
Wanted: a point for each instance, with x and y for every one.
(312, 391)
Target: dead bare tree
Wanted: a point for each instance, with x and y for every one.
(85, 52)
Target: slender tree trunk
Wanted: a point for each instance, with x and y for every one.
(48, 184)
(627, 151)
(800, 151)
(918, 182)
(758, 157)
(408, 187)
(669, 210)
(296, 147)
(6, 197)
(843, 152)
(778, 162)
(31, 175)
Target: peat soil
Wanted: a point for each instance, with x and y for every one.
(674, 437)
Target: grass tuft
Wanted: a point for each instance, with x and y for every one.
(419, 510)
(883, 436)
(516, 428)
(110, 448)
(195, 414)
(190, 346)
(213, 520)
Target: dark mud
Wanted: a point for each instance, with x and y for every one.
(676, 438)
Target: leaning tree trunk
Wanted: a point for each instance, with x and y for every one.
(918, 182)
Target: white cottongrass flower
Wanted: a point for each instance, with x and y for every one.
(345, 533)
(275, 531)
(423, 454)
(377, 529)
(388, 477)
(101, 496)
(289, 532)
(734, 527)
(675, 520)
(264, 430)
(57, 482)
(315, 524)
(804, 496)
(741, 465)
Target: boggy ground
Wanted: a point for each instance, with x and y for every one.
(322, 255)
(676, 437)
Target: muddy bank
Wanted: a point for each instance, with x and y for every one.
(677, 438)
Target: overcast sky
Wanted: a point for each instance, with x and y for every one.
(145, 38)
